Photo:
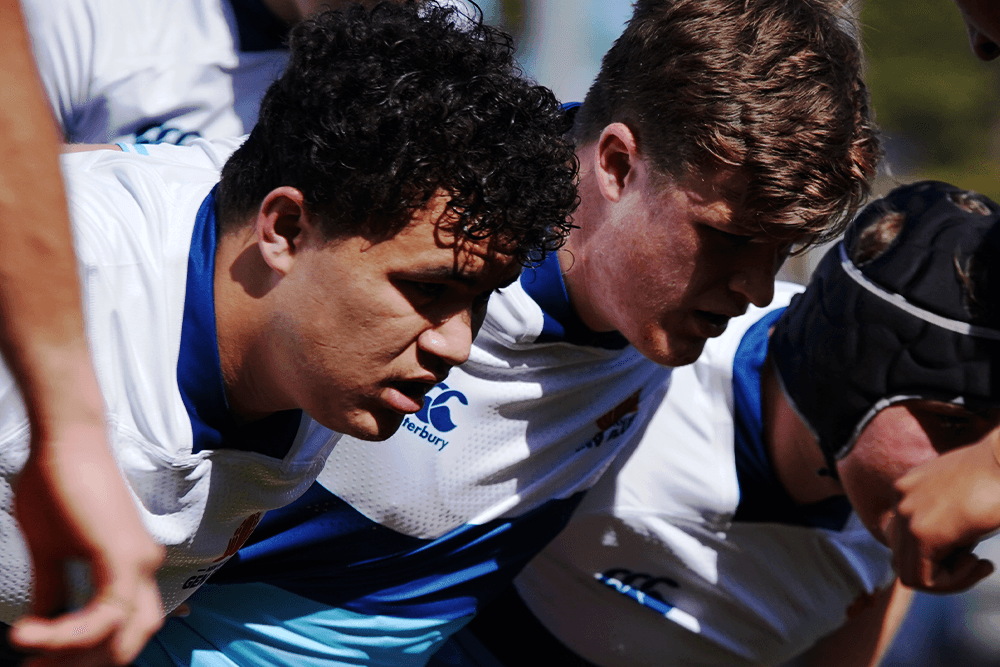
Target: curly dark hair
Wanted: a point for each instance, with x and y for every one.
(380, 109)
(772, 89)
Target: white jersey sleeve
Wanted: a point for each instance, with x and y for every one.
(137, 222)
(147, 70)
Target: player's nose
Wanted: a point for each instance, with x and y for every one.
(450, 340)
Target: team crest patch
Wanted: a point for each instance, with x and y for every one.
(235, 542)
(630, 404)
(615, 422)
(241, 535)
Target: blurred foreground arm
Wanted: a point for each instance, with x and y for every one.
(70, 500)
(946, 507)
(864, 638)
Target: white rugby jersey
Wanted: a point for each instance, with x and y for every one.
(155, 71)
(511, 437)
(689, 552)
(425, 527)
(145, 240)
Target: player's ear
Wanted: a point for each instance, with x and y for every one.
(616, 158)
(281, 222)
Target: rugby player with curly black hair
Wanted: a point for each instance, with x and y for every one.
(402, 171)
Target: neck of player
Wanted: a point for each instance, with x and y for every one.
(243, 297)
(795, 455)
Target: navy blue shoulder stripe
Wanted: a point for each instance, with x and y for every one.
(544, 284)
(762, 497)
(321, 548)
(199, 373)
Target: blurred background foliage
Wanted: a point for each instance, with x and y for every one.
(938, 106)
(513, 16)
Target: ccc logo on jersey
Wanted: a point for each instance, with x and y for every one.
(434, 418)
(161, 134)
(436, 411)
(622, 579)
(650, 591)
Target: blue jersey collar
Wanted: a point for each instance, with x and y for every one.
(544, 284)
(762, 497)
(199, 374)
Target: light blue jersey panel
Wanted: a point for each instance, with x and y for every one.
(346, 591)
(259, 624)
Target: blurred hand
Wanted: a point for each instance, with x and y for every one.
(72, 504)
(946, 507)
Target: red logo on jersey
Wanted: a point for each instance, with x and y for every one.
(630, 404)
(241, 535)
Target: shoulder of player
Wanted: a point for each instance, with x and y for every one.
(512, 318)
(129, 201)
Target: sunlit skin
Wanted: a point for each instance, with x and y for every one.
(982, 21)
(899, 438)
(354, 331)
(665, 263)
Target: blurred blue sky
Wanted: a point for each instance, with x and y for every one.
(565, 40)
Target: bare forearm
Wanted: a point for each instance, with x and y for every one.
(41, 325)
(863, 640)
(70, 490)
(946, 506)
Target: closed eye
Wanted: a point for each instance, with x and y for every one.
(427, 291)
(950, 426)
(729, 238)
(736, 238)
(953, 422)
